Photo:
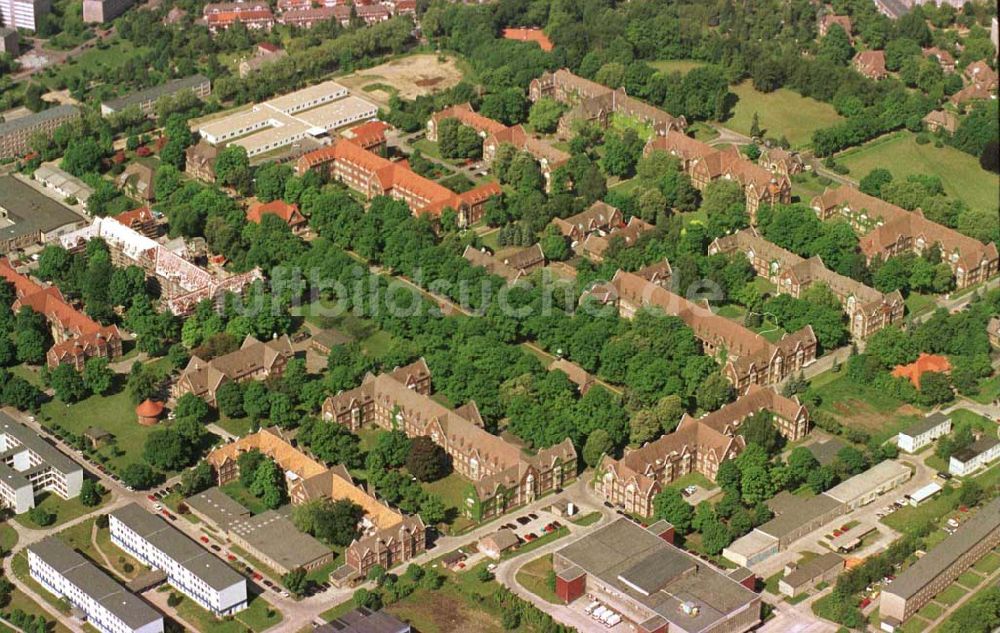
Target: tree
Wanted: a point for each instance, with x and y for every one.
(850, 461)
(970, 494)
(31, 345)
(269, 484)
(621, 152)
(989, 159)
(166, 450)
(935, 388)
(755, 127)
(296, 581)
(544, 115)
(331, 442)
(393, 446)
(68, 384)
(143, 383)
(821, 479)
(725, 204)
(427, 461)
(836, 46)
(334, 522)
(90, 493)
(229, 398)
(554, 245)
(507, 106)
(728, 476)
(140, 476)
(246, 464)
(598, 444)
(643, 427)
(759, 429)
(232, 167)
(872, 183)
(801, 462)
(714, 537)
(41, 516)
(714, 392)
(670, 505)
(256, 401)
(197, 479)
(97, 376)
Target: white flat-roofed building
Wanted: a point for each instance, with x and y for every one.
(30, 466)
(109, 607)
(980, 453)
(308, 113)
(922, 433)
(193, 570)
(925, 493)
(864, 488)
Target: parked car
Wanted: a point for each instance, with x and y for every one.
(215, 548)
(203, 539)
(230, 558)
(257, 577)
(523, 520)
(151, 497)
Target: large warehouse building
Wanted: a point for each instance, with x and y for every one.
(307, 114)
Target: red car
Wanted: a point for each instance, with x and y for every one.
(203, 539)
(230, 557)
(151, 498)
(165, 513)
(257, 576)
(865, 603)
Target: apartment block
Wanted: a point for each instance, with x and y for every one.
(697, 445)
(108, 606)
(749, 358)
(887, 230)
(868, 310)
(922, 433)
(255, 360)
(504, 477)
(23, 14)
(916, 585)
(100, 11)
(30, 466)
(76, 336)
(146, 99)
(981, 453)
(190, 568)
(16, 135)
(706, 164)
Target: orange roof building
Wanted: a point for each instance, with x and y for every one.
(529, 35)
(923, 364)
(289, 213)
(149, 412)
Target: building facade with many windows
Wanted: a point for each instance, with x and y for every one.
(30, 466)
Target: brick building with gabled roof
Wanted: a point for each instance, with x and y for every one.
(595, 244)
(597, 103)
(890, 230)
(697, 445)
(288, 213)
(503, 476)
(749, 358)
(868, 310)
(140, 220)
(254, 360)
(871, 64)
(549, 156)
(705, 164)
(465, 115)
(373, 175)
(980, 74)
(76, 336)
(843, 21)
(599, 216)
(512, 267)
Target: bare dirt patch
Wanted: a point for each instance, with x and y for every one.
(412, 76)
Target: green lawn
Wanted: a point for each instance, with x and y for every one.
(114, 413)
(988, 564)
(533, 577)
(258, 616)
(113, 56)
(682, 66)
(934, 510)
(780, 113)
(930, 612)
(863, 406)
(28, 373)
(19, 600)
(20, 566)
(64, 509)
(621, 123)
(8, 537)
(771, 582)
(899, 153)
(806, 186)
(989, 390)
(693, 478)
(918, 303)
(237, 426)
(914, 625)
(768, 329)
(587, 519)
(951, 595)
(452, 490)
(374, 341)
(970, 580)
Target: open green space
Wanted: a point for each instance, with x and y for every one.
(806, 186)
(8, 537)
(258, 616)
(960, 173)
(115, 414)
(20, 600)
(914, 625)
(951, 595)
(533, 577)
(525, 548)
(693, 478)
(930, 612)
(682, 66)
(244, 497)
(768, 329)
(989, 390)
(771, 582)
(112, 56)
(64, 509)
(623, 122)
(988, 564)
(863, 406)
(933, 510)
(586, 519)
(970, 579)
(237, 426)
(917, 303)
(452, 490)
(780, 113)
(444, 610)
(28, 373)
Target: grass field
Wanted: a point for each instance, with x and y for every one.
(682, 66)
(113, 56)
(244, 497)
(373, 341)
(863, 406)
(452, 490)
(989, 390)
(8, 537)
(114, 413)
(587, 519)
(914, 625)
(988, 564)
(780, 113)
(767, 329)
(951, 595)
(970, 580)
(917, 303)
(622, 122)
(64, 509)
(533, 578)
(19, 600)
(960, 173)
(930, 612)
(806, 186)
(258, 616)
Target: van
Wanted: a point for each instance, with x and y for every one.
(599, 611)
(590, 607)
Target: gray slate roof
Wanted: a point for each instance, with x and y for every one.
(155, 92)
(925, 424)
(30, 210)
(32, 120)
